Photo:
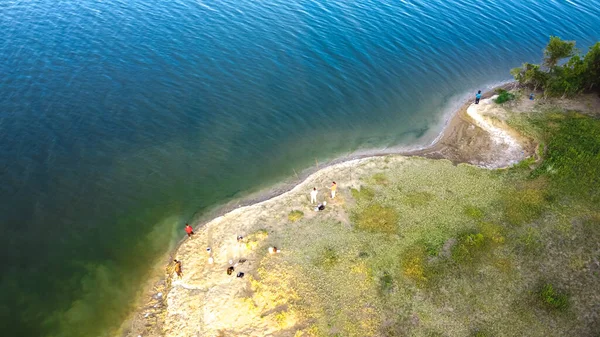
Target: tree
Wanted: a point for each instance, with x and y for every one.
(530, 75)
(557, 50)
(591, 62)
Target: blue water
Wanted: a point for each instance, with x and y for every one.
(122, 120)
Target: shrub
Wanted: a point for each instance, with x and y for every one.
(473, 212)
(553, 299)
(504, 96)
(295, 215)
(377, 218)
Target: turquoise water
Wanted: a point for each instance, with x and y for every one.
(122, 120)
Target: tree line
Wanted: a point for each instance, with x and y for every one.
(579, 74)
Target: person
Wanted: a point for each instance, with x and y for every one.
(178, 270)
(189, 230)
(478, 97)
(333, 188)
(320, 206)
(313, 195)
(531, 96)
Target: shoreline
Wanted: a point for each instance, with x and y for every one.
(459, 141)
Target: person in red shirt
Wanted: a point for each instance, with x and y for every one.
(189, 230)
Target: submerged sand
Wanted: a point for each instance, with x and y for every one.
(206, 301)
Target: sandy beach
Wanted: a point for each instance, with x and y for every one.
(206, 301)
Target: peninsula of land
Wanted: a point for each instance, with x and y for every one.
(460, 238)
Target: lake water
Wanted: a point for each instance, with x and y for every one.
(122, 120)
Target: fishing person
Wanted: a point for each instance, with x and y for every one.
(313, 195)
(477, 97)
(189, 230)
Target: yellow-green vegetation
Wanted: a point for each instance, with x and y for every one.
(431, 248)
(295, 215)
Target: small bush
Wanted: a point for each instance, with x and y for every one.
(295, 215)
(377, 218)
(504, 96)
(553, 299)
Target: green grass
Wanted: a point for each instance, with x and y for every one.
(572, 158)
(377, 218)
(363, 194)
(327, 258)
(416, 199)
(523, 206)
(430, 245)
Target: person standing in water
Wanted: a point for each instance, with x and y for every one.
(313, 195)
(178, 270)
(477, 97)
(189, 230)
(333, 189)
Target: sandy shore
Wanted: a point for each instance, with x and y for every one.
(202, 302)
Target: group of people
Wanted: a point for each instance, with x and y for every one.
(314, 192)
(189, 230)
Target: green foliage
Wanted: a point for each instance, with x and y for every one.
(530, 75)
(576, 75)
(591, 64)
(553, 299)
(572, 159)
(524, 164)
(377, 218)
(295, 215)
(557, 50)
(504, 96)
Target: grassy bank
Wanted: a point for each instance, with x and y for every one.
(425, 248)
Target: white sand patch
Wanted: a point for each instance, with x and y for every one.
(509, 150)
